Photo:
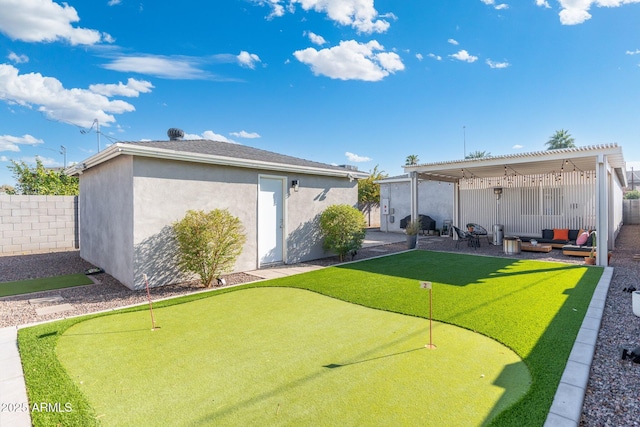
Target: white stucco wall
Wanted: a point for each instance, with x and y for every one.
(106, 217)
(164, 190)
(314, 195)
(435, 199)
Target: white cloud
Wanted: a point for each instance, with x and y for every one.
(633, 52)
(45, 21)
(78, 106)
(316, 39)
(245, 134)
(453, 42)
(4, 159)
(359, 14)
(434, 56)
(133, 88)
(47, 162)
(543, 3)
(166, 67)
(355, 158)
(248, 60)
(351, 60)
(499, 6)
(17, 59)
(492, 64)
(463, 55)
(518, 147)
(114, 2)
(11, 143)
(210, 135)
(577, 11)
(419, 56)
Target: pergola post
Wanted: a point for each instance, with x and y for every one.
(602, 211)
(414, 195)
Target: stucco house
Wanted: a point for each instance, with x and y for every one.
(132, 192)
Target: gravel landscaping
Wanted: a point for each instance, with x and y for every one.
(611, 399)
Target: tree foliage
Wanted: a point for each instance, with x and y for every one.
(632, 195)
(209, 243)
(560, 139)
(42, 181)
(412, 160)
(478, 155)
(368, 190)
(7, 189)
(343, 228)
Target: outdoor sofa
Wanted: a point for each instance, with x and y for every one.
(426, 222)
(557, 238)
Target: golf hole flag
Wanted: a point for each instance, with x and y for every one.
(425, 285)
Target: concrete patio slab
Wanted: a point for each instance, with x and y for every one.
(51, 309)
(47, 300)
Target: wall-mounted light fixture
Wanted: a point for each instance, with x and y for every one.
(498, 192)
(295, 183)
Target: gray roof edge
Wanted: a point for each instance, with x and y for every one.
(592, 149)
(251, 158)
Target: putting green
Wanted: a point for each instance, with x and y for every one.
(282, 356)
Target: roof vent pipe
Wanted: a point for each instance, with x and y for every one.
(175, 134)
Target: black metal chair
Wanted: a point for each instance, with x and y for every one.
(478, 231)
(463, 236)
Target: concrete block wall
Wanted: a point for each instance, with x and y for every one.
(37, 224)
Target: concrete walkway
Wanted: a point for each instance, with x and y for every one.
(565, 410)
(13, 393)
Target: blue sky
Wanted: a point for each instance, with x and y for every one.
(338, 81)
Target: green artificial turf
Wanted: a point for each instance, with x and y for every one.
(44, 284)
(534, 308)
(282, 356)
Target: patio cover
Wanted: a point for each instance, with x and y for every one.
(601, 159)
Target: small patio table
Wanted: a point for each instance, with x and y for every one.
(528, 247)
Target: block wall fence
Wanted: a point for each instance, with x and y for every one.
(38, 224)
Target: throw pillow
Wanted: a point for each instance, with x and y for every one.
(560, 234)
(589, 241)
(582, 238)
(547, 234)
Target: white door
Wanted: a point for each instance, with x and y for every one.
(270, 220)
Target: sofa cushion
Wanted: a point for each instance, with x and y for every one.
(582, 239)
(589, 241)
(547, 234)
(573, 234)
(560, 234)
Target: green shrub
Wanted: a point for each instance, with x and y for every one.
(632, 195)
(209, 243)
(343, 228)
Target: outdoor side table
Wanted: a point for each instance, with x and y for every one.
(511, 245)
(528, 247)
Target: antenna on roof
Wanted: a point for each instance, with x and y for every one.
(175, 134)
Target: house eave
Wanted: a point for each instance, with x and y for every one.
(119, 149)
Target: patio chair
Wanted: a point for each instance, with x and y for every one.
(479, 231)
(463, 236)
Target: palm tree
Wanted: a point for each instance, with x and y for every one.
(560, 139)
(478, 155)
(412, 160)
